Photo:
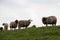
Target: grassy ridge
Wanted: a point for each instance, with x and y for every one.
(42, 33)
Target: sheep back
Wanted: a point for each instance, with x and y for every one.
(24, 23)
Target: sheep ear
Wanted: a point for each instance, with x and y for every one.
(3, 24)
(44, 18)
(16, 20)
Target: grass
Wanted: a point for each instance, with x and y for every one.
(41, 33)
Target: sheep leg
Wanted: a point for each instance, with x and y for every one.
(19, 27)
(52, 24)
(46, 25)
(26, 26)
(11, 28)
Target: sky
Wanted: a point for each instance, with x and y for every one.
(11, 10)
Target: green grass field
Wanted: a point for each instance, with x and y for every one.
(41, 33)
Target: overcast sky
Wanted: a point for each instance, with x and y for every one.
(11, 10)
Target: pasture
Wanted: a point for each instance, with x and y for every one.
(41, 33)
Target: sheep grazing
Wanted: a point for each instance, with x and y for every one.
(24, 23)
(1, 28)
(34, 26)
(5, 26)
(14, 24)
(49, 20)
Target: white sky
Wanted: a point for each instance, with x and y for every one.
(11, 10)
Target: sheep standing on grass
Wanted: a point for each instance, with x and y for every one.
(5, 26)
(1, 28)
(14, 24)
(24, 23)
(49, 20)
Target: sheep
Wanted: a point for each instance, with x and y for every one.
(14, 24)
(1, 28)
(5, 26)
(34, 26)
(24, 23)
(49, 20)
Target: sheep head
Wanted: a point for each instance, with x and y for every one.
(16, 21)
